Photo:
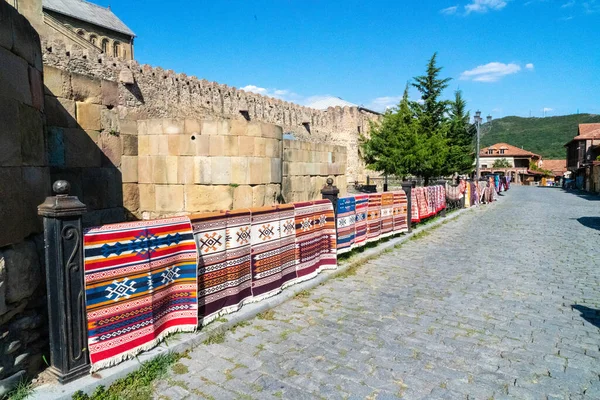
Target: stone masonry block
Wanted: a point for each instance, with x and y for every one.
(185, 170)
(271, 131)
(220, 170)
(26, 41)
(82, 148)
(88, 116)
(128, 127)
(192, 127)
(86, 89)
(159, 145)
(14, 79)
(143, 145)
(258, 196)
(210, 128)
(216, 146)
(260, 147)
(154, 127)
(173, 145)
(254, 129)
(109, 120)
(202, 170)
(223, 127)
(275, 170)
(199, 198)
(238, 127)
(169, 198)
(272, 192)
(130, 145)
(242, 197)
(231, 146)
(6, 28)
(164, 170)
(36, 186)
(112, 148)
(36, 86)
(272, 148)
(147, 197)
(246, 146)
(10, 133)
(23, 271)
(129, 169)
(239, 170)
(173, 127)
(12, 212)
(255, 168)
(109, 93)
(57, 82)
(142, 127)
(131, 197)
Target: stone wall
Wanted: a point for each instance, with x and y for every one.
(24, 183)
(306, 167)
(146, 92)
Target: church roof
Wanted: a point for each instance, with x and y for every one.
(88, 12)
(509, 151)
(330, 101)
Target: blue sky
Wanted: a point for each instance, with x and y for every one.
(509, 57)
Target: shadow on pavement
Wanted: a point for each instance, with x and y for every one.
(584, 195)
(590, 222)
(591, 315)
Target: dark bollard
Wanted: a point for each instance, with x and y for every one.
(442, 183)
(65, 283)
(407, 187)
(331, 192)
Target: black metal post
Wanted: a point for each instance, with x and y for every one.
(385, 184)
(407, 187)
(331, 192)
(442, 182)
(63, 240)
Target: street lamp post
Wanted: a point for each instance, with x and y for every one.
(478, 121)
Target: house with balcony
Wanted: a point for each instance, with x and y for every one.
(521, 164)
(583, 157)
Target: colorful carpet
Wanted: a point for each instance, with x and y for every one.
(387, 214)
(374, 217)
(346, 208)
(223, 241)
(287, 229)
(141, 283)
(360, 224)
(308, 241)
(414, 206)
(400, 212)
(325, 221)
(266, 253)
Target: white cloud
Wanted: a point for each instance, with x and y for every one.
(383, 103)
(591, 7)
(483, 6)
(282, 94)
(568, 4)
(490, 72)
(547, 109)
(529, 66)
(449, 11)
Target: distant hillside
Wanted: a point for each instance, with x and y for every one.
(544, 136)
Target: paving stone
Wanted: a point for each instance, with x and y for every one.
(479, 308)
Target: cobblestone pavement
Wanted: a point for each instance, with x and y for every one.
(500, 303)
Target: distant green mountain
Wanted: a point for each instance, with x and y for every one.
(544, 136)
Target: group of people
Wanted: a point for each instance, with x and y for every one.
(483, 191)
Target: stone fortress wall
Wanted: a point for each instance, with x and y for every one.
(24, 183)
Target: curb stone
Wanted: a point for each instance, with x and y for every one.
(183, 342)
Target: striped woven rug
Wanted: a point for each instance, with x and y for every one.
(140, 285)
(325, 220)
(387, 214)
(287, 229)
(346, 208)
(266, 253)
(400, 212)
(374, 217)
(360, 225)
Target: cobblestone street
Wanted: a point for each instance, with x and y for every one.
(500, 303)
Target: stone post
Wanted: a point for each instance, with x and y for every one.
(407, 187)
(442, 183)
(63, 245)
(331, 192)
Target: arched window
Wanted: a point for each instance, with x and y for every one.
(81, 32)
(93, 39)
(116, 49)
(104, 45)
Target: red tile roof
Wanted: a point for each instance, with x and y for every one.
(509, 151)
(588, 131)
(558, 167)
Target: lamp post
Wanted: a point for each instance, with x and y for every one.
(478, 121)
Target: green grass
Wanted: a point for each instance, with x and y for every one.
(268, 315)
(21, 391)
(138, 384)
(215, 338)
(544, 136)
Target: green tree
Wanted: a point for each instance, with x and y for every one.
(394, 145)
(432, 120)
(460, 135)
(501, 163)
